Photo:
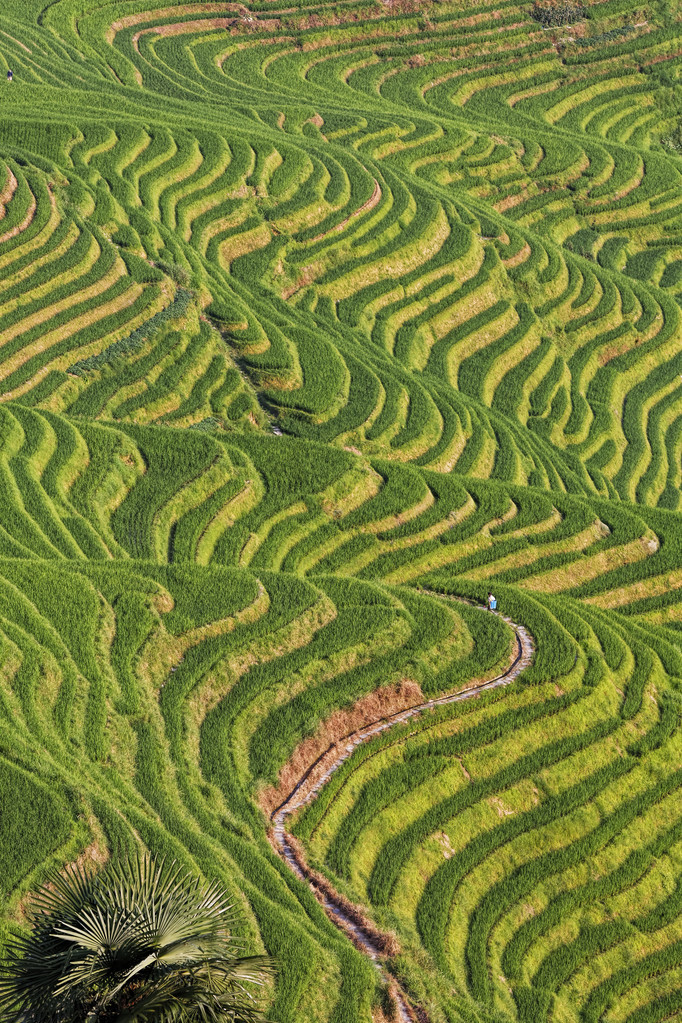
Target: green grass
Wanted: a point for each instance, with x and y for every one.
(312, 319)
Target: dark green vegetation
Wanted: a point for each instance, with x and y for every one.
(140, 940)
(438, 245)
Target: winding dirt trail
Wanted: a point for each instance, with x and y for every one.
(347, 917)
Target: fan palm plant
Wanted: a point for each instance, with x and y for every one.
(142, 940)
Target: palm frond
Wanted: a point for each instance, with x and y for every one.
(141, 941)
(171, 1002)
(62, 894)
(96, 928)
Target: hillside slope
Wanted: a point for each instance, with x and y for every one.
(314, 317)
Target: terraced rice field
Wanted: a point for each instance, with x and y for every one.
(318, 321)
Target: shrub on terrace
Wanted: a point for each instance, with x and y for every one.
(551, 13)
(176, 272)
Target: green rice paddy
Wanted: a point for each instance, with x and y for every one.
(312, 316)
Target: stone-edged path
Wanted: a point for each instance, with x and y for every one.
(363, 935)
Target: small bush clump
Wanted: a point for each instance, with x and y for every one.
(551, 13)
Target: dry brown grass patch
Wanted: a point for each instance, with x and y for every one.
(322, 746)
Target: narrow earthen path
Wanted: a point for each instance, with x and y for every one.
(363, 935)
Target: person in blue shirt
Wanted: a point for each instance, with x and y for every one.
(492, 602)
(10, 75)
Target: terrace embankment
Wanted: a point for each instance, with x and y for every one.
(352, 919)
